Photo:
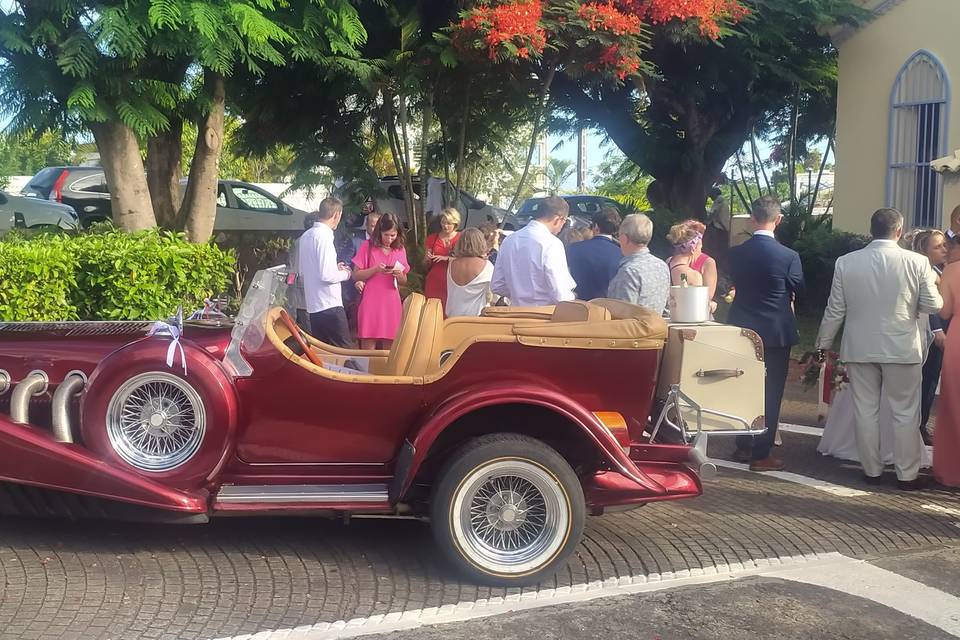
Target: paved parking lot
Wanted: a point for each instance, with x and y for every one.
(233, 577)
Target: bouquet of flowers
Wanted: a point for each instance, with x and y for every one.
(834, 373)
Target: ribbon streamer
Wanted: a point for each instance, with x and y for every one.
(172, 329)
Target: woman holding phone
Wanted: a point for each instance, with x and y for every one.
(381, 265)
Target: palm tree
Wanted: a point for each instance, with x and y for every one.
(556, 173)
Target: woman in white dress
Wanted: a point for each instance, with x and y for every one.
(469, 275)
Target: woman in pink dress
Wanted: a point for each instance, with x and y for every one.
(946, 436)
(381, 267)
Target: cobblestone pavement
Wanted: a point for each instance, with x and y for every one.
(113, 580)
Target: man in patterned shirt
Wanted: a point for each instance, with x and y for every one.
(643, 278)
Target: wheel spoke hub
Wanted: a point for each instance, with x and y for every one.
(156, 421)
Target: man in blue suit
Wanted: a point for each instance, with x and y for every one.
(594, 262)
(767, 277)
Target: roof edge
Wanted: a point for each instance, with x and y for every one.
(844, 33)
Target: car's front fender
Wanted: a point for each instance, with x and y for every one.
(418, 446)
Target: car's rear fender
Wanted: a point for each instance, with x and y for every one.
(419, 445)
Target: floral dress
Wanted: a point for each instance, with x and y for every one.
(378, 316)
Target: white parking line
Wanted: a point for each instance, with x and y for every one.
(483, 608)
(830, 570)
(802, 429)
(950, 511)
(892, 590)
(813, 483)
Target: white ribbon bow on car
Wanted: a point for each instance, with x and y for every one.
(174, 329)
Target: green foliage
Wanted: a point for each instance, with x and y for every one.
(23, 154)
(37, 278)
(819, 249)
(619, 178)
(107, 275)
(273, 165)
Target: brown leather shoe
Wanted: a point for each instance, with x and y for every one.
(744, 456)
(767, 464)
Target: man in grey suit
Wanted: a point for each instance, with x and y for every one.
(878, 294)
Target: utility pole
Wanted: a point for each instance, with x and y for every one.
(581, 160)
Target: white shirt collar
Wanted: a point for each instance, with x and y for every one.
(764, 232)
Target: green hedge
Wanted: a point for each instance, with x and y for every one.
(107, 275)
(819, 249)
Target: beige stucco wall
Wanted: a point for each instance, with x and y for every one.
(870, 60)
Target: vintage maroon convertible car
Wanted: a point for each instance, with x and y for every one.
(504, 430)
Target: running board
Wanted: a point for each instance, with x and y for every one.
(301, 496)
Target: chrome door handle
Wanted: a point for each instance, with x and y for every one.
(719, 373)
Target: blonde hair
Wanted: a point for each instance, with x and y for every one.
(682, 235)
(451, 215)
(471, 244)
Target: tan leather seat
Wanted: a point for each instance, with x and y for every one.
(578, 311)
(406, 341)
(425, 359)
(654, 326)
(518, 313)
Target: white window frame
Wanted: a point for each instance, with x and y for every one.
(921, 83)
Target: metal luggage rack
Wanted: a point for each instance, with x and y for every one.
(677, 399)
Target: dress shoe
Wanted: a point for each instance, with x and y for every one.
(873, 480)
(767, 464)
(743, 456)
(916, 484)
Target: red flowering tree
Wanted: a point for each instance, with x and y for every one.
(600, 42)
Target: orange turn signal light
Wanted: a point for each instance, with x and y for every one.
(616, 425)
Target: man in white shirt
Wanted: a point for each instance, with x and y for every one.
(531, 269)
(322, 275)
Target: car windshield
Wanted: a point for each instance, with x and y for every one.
(45, 179)
(268, 289)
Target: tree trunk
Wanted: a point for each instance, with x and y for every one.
(396, 152)
(427, 124)
(446, 161)
(164, 151)
(537, 122)
(124, 171)
(462, 143)
(407, 169)
(686, 193)
(200, 201)
(791, 152)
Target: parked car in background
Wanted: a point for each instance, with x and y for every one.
(473, 212)
(18, 212)
(582, 209)
(240, 206)
(83, 188)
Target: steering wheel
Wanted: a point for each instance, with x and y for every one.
(295, 332)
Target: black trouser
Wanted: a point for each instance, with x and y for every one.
(928, 387)
(777, 360)
(330, 326)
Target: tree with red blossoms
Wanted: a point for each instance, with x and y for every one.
(596, 43)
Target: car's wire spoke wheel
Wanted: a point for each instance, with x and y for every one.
(510, 516)
(156, 421)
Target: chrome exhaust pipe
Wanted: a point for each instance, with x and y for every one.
(4, 381)
(33, 385)
(71, 386)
